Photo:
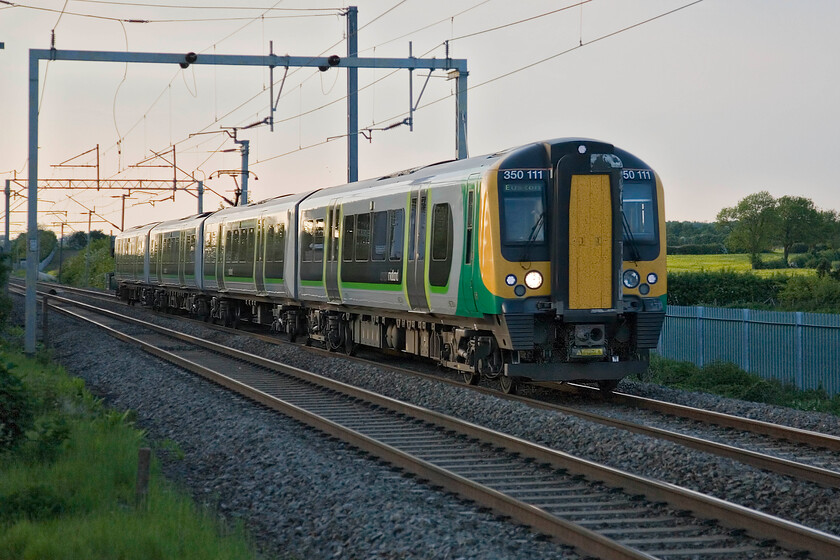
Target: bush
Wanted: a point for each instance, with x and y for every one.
(800, 261)
(33, 503)
(99, 261)
(698, 249)
(5, 302)
(770, 264)
(723, 288)
(728, 380)
(17, 409)
(46, 438)
(812, 293)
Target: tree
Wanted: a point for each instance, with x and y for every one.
(78, 240)
(88, 268)
(799, 222)
(830, 228)
(47, 241)
(754, 222)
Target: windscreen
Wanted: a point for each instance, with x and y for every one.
(639, 211)
(523, 207)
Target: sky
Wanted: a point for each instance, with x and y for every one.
(722, 98)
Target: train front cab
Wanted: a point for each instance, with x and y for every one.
(560, 257)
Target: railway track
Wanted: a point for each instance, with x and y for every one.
(784, 450)
(600, 510)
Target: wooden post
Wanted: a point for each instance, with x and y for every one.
(143, 461)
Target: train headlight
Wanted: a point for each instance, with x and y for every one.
(533, 279)
(510, 280)
(631, 278)
(652, 278)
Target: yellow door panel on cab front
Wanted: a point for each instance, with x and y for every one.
(590, 243)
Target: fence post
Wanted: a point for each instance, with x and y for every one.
(700, 336)
(745, 355)
(798, 353)
(144, 459)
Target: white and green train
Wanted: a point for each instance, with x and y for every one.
(545, 262)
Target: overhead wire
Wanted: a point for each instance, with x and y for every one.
(168, 87)
(511, 24)
(425, 27)
(515, 71)
(149, 21)
(314, 73)
(47, 69)
(496, 28)
(204, 7)
(249, 100)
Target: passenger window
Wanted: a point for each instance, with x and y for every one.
(348, 243)
(280, 244)
(380, 236)
(307, 240)
(363, 237)
(236, 244)
(397, 234)
(441, 232)
(318, 241)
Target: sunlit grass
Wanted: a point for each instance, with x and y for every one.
(72, 495)
(730, 262)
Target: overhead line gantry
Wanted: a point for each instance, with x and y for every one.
(352, 62)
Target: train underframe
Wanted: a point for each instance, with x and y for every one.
(508, 348)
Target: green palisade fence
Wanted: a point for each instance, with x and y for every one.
(802, 349)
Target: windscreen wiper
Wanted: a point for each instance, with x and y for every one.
(532, 237)
(628, 233)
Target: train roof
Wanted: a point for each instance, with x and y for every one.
(136, 230)
(436, 172)
(186, 222)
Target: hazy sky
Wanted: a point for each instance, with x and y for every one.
(723, 98)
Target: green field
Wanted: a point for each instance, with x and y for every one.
(733, 262)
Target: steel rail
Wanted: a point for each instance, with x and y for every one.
(796, 469)
(777, 431)
(821, 546)
(779, 465)
(566, 532)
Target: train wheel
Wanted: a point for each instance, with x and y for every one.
(607, 386)
(291, 332)
(471, 377)
(507, 384)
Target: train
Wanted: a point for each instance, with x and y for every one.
(540, 263)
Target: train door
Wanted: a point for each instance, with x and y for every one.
(222, 247)
(416, 258)
(182, 257)
(331, 243)
(157, 252)
(590, 242)
(470, 233)
(259, 258)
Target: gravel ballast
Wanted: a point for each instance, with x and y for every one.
(300, 493)
(303, 494)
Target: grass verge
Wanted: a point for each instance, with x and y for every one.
(67, 479)
(728, 380)
(734, 262)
